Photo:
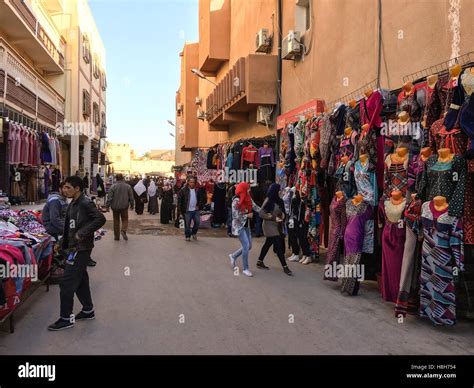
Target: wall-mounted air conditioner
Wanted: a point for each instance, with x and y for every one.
(179, 108)
(263, 41)
(198, 101)
(264, 115)
(291, 46)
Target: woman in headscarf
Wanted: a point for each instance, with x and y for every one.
(152, 198)
(242, 206)
(166, 204)
(140, 195)
(273, 215)
(100, 186)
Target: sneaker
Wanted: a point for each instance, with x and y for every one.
(308, 260)
(195, 237)
(246, 272)
(294, 258)
(188, 238)
(124, 235)
(261, 265)
(61, 324)
(82, 316)
(91, 263)
(303, 258)
(232, 261)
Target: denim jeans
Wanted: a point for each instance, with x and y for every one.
(258, 224)
(245, 238)
(191, 215)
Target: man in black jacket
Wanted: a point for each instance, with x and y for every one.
(190, 200)
(82, 220)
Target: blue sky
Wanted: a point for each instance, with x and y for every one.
(143, 39)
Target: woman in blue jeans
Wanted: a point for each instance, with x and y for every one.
(242, 206)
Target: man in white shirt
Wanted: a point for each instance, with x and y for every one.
(190, 202)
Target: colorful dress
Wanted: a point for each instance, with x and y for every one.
(442, 251)
(336, 235)
(345, 181)
(396, 177)
(393, 243)
(357, 217)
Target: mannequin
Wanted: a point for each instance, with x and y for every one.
(445, 155)
(344, 160)
(432, 80)
(455, 71)
(365, 129)
(400, 155)
(363, 159)
(357, 200)
(408, 88)
(403, 117)
(368, 93)
(396, 197)
(440, 203)
(339, 195)
(348, 132)
(352, 103)
(425, 153)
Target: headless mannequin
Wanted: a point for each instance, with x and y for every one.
(339, 195)
(344, 160)
(365, 130)
(440, 203)
(445, 155)
(403, 118)
(400, 155)
(408, 88)
(368, 93)
(396, 197)
(455, 71)
(357, 200)
(363, 159)
(425, 153)
(348, 132)
(352, 103)
(432, 80)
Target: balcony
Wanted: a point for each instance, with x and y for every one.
(31, 30)
(252, 81)
(214, 35)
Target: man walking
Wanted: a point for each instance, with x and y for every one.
(82, 220)
(54, 213)
(190, 201)
(119, 199)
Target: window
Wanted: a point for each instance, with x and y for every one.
(86, 103)
(103, 81)
(95, 114)
(86, 49)
(103, 121)
(303, 15)
(95, 67)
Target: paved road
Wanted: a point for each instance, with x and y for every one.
(171, 279)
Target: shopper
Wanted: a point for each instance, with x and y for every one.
(229, 198)
(273, 216)
(54, 213)
(190, 201)
(152, 198)
(166, 204)
(242, 206)
(100, 186)
(119, 199)
(82, 220)
(298, 230)
(140, 196)
(86, 183)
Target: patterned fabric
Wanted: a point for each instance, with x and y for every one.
(366, 182)
(346, 147)
(367, 144)
(357, 216)
(345, 181)
(325, 140)
(442, 251)
(396, 177)
(445, 179)
(336, 235)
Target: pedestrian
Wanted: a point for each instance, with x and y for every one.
(119, 199)
(140, 196)
(190, 201)
(166, 204)
(273, 215)
(229, 198)
(152, 198)
(242, 207)
(298, 230)
(86, 183)
(82, 220)
(54, 213)
(100, 186)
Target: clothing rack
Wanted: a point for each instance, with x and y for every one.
(354, 95)
(465, 60)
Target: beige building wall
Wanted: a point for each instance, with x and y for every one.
(148, 166)
(120, 156)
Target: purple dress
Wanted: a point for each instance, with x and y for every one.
(357, 216)
(336, 235)
(393, 244)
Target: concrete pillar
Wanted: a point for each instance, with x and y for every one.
(87, 156)
(74, 154)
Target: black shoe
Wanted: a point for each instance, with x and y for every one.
(91, 263)
(287, 271)
(82, 316)
(261, 265)
(61, 324)
(124, 235)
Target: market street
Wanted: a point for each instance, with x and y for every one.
(182, 298)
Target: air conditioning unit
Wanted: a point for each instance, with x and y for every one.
(179, 108)
(198, 101)
(201, 115)
(263, 41)
(264, 115)
(291, 46)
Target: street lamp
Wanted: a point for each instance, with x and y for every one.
(200, 75)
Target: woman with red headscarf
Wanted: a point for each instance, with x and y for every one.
(242, 206)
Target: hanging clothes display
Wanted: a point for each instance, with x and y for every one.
(442, 251)
(396, 176)
(336, 234)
